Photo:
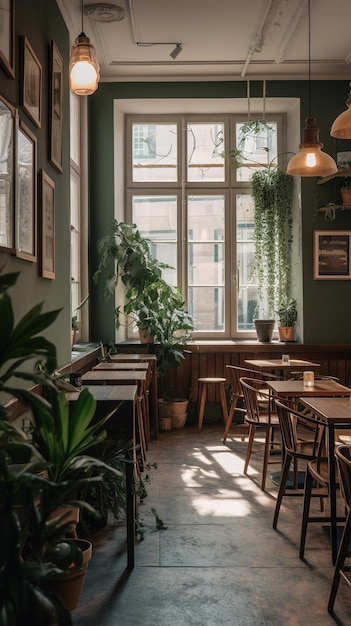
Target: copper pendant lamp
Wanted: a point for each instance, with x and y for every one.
(341, 128)
(311, 160)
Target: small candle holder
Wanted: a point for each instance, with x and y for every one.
(286, 359)
(308, 379)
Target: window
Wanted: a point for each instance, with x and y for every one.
(196, 209)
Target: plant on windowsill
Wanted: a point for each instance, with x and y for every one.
(287, 316)
(76, 324)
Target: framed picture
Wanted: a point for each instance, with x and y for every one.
(32, 84)
(56, 113)
(8, 121)
(26, 194)
(7, 36)
(331, 255)
(47, 226)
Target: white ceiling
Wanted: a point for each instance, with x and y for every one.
(221, 40)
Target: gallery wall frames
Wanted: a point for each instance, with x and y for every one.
(8, 123)
(331, 255)
(26, 194)
(56, 112)
(47, 226)
(7, 36)
(31, 84)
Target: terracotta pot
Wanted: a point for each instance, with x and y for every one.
(69, 586)
(145, 338)
(175, 410)
(286, 333)
(346, 197)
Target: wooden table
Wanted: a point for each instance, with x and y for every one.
(114, 377)
(151, 359)
(336, 414)
(106, 397)
(295, 388)
(273, 365)
(121, 366)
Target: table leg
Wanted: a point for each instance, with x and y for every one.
(130, 496)
(332, 492)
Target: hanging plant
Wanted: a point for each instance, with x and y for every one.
(272, 192)
(250, 129)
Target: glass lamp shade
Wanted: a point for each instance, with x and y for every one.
(311, 161)
(84, 70)
(341, 128)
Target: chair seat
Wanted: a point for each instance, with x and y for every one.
(265, 419)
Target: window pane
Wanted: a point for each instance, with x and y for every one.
(205, 143)
(206, 304)
(154, 152)
(259, 147)
(206, 261)
(248, 291)
(156, 218)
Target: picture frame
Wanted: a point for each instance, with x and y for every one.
(31, 84)
(47, 226)
(8, 122)
(56, 112)
(26, 194)
(7, 36)
(332, 255)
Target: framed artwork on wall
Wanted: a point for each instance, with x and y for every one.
(331, 255)
(8, 121)
(7, 36)
(26, 194)
(47, 226)
(31, 84)
(56, 113)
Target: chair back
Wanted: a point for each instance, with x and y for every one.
(257, 398)
(291, 423)
(343, 459)
(234, 373)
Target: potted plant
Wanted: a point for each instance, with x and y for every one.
(346, 192)
(287, 316)
(76, 324)
(33, 526)
(126, 257)
(152, 304)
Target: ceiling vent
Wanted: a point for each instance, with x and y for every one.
(101, 12)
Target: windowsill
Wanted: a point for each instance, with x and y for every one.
(81, 350)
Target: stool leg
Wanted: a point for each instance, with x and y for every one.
(202, 392)
(223, 402)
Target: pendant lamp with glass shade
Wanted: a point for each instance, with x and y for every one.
(84, 70)
(311, 160)
(341, 128)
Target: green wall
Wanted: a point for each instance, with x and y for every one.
(40, 21)
(326, 304)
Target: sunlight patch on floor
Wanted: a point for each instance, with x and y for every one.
(222, 507)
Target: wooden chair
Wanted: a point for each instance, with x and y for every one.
(260, 415)
(234, 373)
(300, 438)
(317, 473)
(343, 460)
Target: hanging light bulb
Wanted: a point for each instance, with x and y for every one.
(341, 128)
(84, 70)
(311, 160)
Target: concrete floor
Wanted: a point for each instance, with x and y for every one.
(219, 562)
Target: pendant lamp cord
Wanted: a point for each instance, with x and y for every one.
(309, 59)
(82, 17)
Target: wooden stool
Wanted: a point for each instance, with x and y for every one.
(202, 394)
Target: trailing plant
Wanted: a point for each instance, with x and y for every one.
(272, 192)
(242, 154)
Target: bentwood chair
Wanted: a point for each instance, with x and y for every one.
(237, 403)
(343, 460)
(300, 438)
(317, 474)
(260, 416)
